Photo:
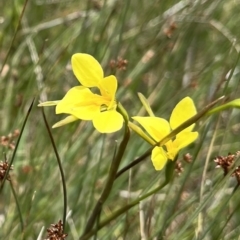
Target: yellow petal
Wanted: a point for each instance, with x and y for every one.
(108, 121)
(86, 112)
(87, 69)
(172, 150)
(184, 110)
(48, 103)
(81, 102)
(156, 127)
(108, 87)
(159, 158)
(65, 121)
(183, 139)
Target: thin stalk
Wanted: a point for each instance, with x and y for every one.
(109, 183)
(14, 36)
(18, 206)
(97, 224)
(123, 210)
(17, 144)
(135, 162)
(60, 169)
(203, 180)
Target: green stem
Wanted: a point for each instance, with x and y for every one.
(60, 169)
(109, 183)
(18, 206)
(14, 36)
(122, 210)
(17, 144)
(135, 162)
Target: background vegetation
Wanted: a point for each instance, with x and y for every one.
(173, 49)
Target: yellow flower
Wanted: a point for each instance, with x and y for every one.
(83, 104)
(158, 128)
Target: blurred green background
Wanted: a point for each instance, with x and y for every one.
(173, 49)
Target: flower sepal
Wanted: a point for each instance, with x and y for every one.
(48, 103)
(65, 121)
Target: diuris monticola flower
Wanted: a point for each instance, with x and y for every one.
(81, 103)
(158, 128)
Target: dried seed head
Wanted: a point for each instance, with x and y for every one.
(170, 29)
(225, 163)
(187, 157)
(3, 169)
(236, 174)
(55, 232)
(120, 64)
(9, 141)
(178, 168)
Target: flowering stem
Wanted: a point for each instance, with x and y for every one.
(172, 134)
(109, 183)
(123, 210)
(60, 169)
(135, 162)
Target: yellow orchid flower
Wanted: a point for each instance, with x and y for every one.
(158, 128)
(83, 104)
